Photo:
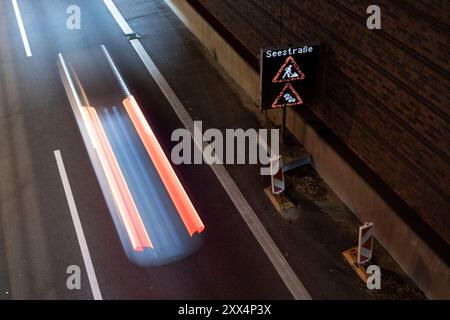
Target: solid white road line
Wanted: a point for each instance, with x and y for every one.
(118, 17)
(78, 228)
(22, 28)
(294, 285)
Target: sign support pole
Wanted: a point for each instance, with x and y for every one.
(283, 126)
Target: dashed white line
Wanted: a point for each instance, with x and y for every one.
(78, 228)
(290, 279)
(22, 28)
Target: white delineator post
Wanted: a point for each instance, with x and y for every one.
(365, 243)
(277, 178)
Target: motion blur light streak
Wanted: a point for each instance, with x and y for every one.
(126, 206)
(181, 200)
(153, 215)
(168, 176)
(171, 241)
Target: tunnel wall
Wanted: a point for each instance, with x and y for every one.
(352, 132)
(386, 91)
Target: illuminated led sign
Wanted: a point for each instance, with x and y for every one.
(288, 75)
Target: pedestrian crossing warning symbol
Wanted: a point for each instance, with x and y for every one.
(289, 71)
(288, 97)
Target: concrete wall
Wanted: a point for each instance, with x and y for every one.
(387, 92)
(355, 109)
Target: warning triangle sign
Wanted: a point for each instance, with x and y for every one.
(288, 97)
(289, 71)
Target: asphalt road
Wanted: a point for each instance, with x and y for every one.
(38, 240)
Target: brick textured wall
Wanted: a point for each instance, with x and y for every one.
(386, 92)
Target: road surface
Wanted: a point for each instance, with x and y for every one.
(38, 240)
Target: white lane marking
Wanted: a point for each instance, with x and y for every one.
(118, 17)
(292, 282)
(78, 228)
(22, 28)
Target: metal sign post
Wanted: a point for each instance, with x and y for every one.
(283, 126)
